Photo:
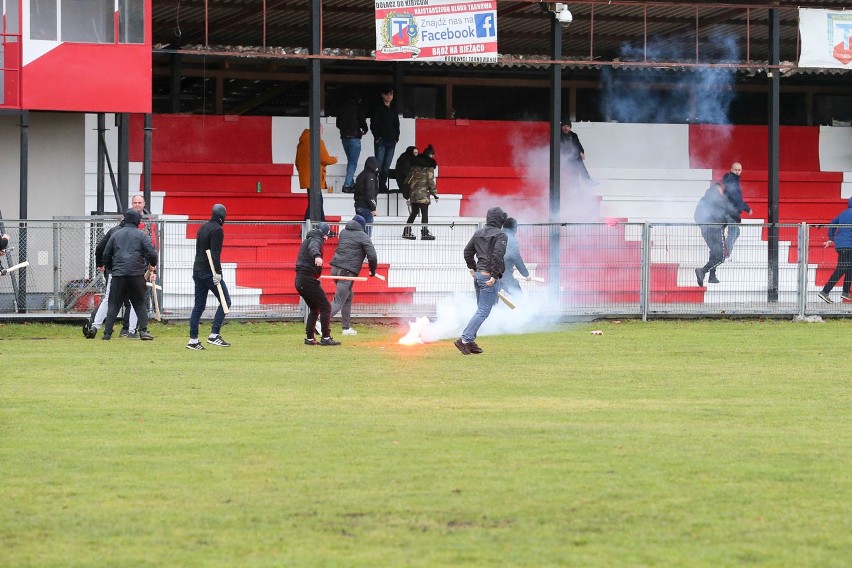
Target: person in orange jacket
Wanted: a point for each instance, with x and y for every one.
(303, 166)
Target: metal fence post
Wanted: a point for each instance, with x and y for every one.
(802, 288)
(56, 267)
(645, 271)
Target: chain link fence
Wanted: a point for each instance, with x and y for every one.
(614, 269)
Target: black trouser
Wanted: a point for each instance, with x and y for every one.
(714, 236)
(309, 288)
(423, 209)
(843, 270)
(127, 287)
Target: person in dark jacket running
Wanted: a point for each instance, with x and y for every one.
(734, 193)
(842, 239)
(352, 248)
(210, 236)
(512, 259)
(308, 270)
(131, 255)
(484, 256)
(712, 213)
(366, 192)
(352, 124)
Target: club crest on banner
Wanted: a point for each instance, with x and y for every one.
(399, 34)
(840, 36)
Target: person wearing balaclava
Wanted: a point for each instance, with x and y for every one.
(210, 236)
(366, 192)
(131, 255)
(484, 255)
(309, 264)
(353, 247)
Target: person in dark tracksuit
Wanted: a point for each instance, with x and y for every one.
(734, 193)
(210, 236)
(308, 269)
(712, 213)
(130, 253)
(488, 246)
(842, 239)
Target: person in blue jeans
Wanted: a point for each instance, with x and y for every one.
(483, 255)
(352, 124)
(384, 124)
(210, 237)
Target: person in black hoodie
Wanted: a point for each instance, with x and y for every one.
(712, 213)
(131, 254)
(366, 192)
(210, 236)
(421, 179)
(484, 258)
(352, 124)
(308, 270)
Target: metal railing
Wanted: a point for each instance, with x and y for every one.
(589, 269)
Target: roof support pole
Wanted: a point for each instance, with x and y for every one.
(555, 138)
(99, 206)
(774, 159)
(146, 160)
(123, 120)
(314, 109)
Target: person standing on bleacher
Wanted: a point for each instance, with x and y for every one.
(421, 179)
(352, 124)
(366, 192)
(384, 124)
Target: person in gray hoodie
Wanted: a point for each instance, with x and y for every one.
(353, 247)
(842, 238)
(483, 255)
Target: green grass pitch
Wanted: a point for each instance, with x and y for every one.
(672, 443)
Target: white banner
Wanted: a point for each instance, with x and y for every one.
(436, 30)
(826, 38)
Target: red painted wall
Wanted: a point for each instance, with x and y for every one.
(716, 147)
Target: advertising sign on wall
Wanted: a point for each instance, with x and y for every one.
(826, 38)
(436, 30)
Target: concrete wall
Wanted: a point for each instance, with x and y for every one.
(55, 168)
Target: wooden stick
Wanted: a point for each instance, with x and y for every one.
(18, 266)
(157, 303)
(352, 278)
(531, 278)
(157, 286)
(505, 300)
(380, 277)
(218, 286)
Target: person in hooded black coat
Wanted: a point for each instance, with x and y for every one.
(403, 167)
(712, 213)
(309, 264)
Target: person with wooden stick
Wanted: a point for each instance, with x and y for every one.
(484, 258)
(309, 264)
(207, 276)
(354, 246)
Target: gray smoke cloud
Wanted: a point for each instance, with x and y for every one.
(632, 96)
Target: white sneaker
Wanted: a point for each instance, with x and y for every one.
(349, 331)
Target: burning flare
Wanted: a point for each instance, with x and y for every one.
(415, 332)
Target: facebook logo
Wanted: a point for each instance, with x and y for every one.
(485, 25)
